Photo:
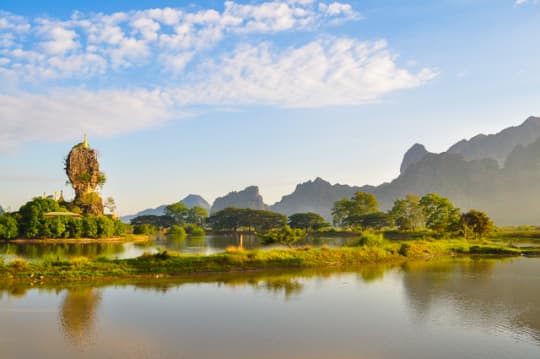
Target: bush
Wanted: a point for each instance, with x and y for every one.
(176, 232)
(79, 262)
(105, 227)
(144, 228)
(9, 228)
(370, 239)
(194, 230)
(90, 227)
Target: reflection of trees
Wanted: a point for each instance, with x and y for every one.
(288, 286)
(484, 290)
(372, 272)
(61, 250)
(77, 313)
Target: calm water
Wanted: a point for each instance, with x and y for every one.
(444, 309)
(203, 245)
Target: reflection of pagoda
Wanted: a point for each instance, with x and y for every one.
(82, 169)
(77, 313)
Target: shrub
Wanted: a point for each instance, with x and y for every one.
(370, 239)
(79, 262)
(194, 230)
(176, 232)
(144, 228)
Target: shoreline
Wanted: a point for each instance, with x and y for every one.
(171, 264)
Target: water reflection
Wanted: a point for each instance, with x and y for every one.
(195, 245)
(77, 313)
(44, 250)
(502, 293)
(415, 310)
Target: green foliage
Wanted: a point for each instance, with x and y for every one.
(90, 227)
(105, 227)
(74, 228)
(350, 212)
(32, 222)
(440, 214)
(176, 232)
(307, 221)
(197, 215)
(258, 220)
(475, 224)
(370, 239)
(156, 221)
(286, 236)
(407, 213)
(102, 179)
(194, 230)
(375, 220)
(144, 228)
(9, 228)
(178, 212)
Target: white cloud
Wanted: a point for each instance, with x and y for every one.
(135, 38)
(519, 2)
(60, 38)
(65, 114)
(321, 73)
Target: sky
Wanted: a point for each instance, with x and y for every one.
(209, 97)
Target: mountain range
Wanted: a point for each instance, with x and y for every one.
(497, 173)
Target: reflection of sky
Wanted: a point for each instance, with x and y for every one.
(425, 313)
(209, 244)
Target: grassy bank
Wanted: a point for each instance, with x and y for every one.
(173, 264)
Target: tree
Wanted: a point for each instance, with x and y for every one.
(407, 213)
(340, 212)
(197, 215)
(475, 223)
(156, 221)
(9, 228)
(110, 205)
(32, 223)
(178, 212)
(375, 220)
(440, 214)
(232, 218)
(286, 236)
(348, 213)
(307, 221)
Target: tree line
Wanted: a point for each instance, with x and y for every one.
(432, 211)
(30, 222)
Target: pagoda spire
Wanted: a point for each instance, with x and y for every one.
(85, 142)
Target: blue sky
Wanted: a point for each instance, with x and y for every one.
(210, 97)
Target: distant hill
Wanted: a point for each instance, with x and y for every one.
(315, 196)
(416, 153)
(193, 200)
(247, 198)
(190, 201)
(498, 174)
(498, 146)
(1, 210)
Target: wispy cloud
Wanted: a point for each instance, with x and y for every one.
(47, 66)
(331, 71)
(64, 114)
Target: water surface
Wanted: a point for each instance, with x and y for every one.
(444, 309)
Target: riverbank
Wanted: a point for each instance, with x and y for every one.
(170, 264)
